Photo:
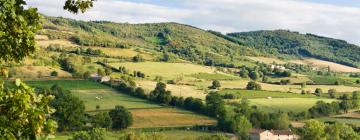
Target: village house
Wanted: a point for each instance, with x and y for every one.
(102, 79)
(260, 134)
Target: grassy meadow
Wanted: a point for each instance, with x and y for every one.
(286, 104)
(168, 134)
(165, 70)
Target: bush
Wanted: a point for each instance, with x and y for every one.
(253, 86)
(318, 91)
(331, 93)
(54, 73)
(215, 85)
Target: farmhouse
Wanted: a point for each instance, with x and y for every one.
(102, 79)
(260, 134)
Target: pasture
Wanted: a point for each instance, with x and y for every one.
(176, 90)
(256, 94)
(118, 52)
(35, 72)
(267, 60)
(165, 70)
(333, 66)
(241, 84)
(216, 76)
(168, 134)
(167, 117)
(67, 84)
(108, 98)
(286, 104)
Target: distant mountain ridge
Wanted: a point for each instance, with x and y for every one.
(280, 42)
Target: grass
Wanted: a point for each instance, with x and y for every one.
(167, 117)
(241, 84)
(165, 70)
(118, 52)
(176, 90)
(352, 121)
(216, 76)
(286, 104)
(253, 94)
(33, 72)
(67, 84)
(169, 134)
(109, 99)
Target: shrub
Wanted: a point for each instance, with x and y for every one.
(54, 73)
(253, 86)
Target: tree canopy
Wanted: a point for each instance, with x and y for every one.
(19, 26)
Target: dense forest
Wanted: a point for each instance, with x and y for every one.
(280, 42)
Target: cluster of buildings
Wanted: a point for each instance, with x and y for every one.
(261, 134)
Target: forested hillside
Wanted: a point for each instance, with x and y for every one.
(177, 40)
(280, 42)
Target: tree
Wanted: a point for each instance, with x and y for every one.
(242, 127)
(101, 120)
(318, 91)
(303, 85)
(215, 105)
(101, 72)
(54, 73)
(244, 73)
(282, 122)
(254, 75)
(19, 26)
(215, 85)
(160, 94)
(332, 93)
(121, 117)
(23, 114)
(70, 110)
(313, 130)
(138, 58)
(94, 134)
(86, 75)
(253, 86)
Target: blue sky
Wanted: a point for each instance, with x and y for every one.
(332, 18)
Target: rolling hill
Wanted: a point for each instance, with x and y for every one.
(280, 42)
(178, 40)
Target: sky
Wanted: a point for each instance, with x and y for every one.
(332, 18)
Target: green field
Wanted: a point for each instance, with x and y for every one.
(166, 70)
(109, 99)
(352, 121)
(216, 76)
(169, 135)
(253, 94)
(286, 104)
(67, 84)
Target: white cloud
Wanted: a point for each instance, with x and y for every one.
(226, 15)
